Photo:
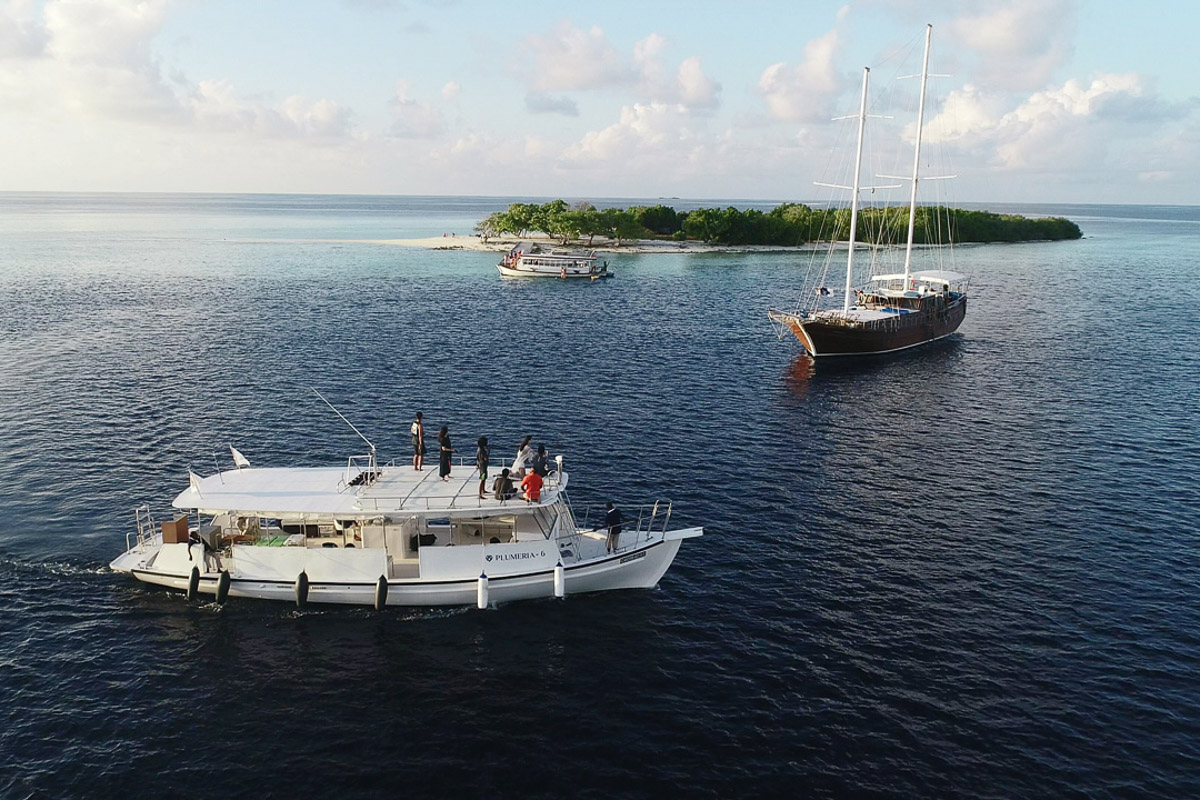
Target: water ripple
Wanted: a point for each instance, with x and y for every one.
(969, 570)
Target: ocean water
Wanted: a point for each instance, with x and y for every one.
(970, 570)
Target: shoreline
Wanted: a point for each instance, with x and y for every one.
(503, 245)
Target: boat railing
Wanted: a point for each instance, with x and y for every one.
(145, 530)
(651, 521)
(456, 496)
(359, 470)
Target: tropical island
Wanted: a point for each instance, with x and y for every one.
(786, 225)
(660, 228)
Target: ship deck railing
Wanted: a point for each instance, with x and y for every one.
(460, 493)
(650, 522)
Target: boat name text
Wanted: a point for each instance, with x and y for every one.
(514, 556)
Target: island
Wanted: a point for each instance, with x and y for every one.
(790, 225)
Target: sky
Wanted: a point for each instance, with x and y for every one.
(1061, 101)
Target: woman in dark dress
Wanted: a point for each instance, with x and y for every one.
(541, 462)
(482, 454)
(444, 451)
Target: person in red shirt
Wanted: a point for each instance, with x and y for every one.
(532, 484)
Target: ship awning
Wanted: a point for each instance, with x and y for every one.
(925, 275)
(304, 492)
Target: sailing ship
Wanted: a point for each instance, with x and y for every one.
(894, 310)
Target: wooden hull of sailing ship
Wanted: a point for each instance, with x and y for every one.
(837, 337)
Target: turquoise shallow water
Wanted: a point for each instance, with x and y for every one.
(970, 570)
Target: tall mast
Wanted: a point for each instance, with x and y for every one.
(912, 203)
(862, 123)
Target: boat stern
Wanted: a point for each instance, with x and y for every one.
(136, 557)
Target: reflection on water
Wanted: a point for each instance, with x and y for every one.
(799, 373)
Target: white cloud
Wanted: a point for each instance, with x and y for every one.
(697, 90)
(569, 59)
(451, 90)
(215, 106)
(106, 32)
(964, 113)
(1072, 126)
(642, 128)
(1019, 43)
(414, 119)
(542, 103)
(804, 92)
(688, 86)
(97, 64)
(94, 60)
(323, 118)
(1060, 126)
(22, 34)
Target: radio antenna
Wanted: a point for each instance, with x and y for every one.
(348, 422)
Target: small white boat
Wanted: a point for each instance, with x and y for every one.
(390, 535)
(529, 260)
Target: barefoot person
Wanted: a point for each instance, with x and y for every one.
(524, 459)
(481, 463)
(418, 442)
(444, 453)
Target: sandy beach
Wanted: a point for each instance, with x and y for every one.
(502, 245)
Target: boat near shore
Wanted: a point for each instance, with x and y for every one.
(530, 260)
(390, 535)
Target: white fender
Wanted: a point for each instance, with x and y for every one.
(381, 590)
(223, 582)
(482, 599)
(301, 589)
(560, 581)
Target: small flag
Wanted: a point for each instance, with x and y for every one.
(239, 460)
(194, 480)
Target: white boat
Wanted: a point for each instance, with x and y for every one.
(529, 260)
(893, 311)
(390, 535)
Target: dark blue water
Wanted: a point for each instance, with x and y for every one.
(967, 571)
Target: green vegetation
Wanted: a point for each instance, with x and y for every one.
(788, 225)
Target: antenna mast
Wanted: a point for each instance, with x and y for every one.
(348, 422)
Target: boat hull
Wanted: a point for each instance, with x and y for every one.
(639, 567)
(825, 337)
(557, 274)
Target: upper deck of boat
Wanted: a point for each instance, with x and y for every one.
(340, 492)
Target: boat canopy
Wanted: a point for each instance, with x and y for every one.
(303, 492)
(926, 275)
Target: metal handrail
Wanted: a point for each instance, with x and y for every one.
(145, 529)
(651, 519)
(550, 488)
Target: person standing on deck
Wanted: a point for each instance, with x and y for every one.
(524, 458)
(481, 463)
(612, 521)
(418, 442)
(541, 462)
(444, 452)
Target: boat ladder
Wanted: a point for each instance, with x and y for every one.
(146, 532)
